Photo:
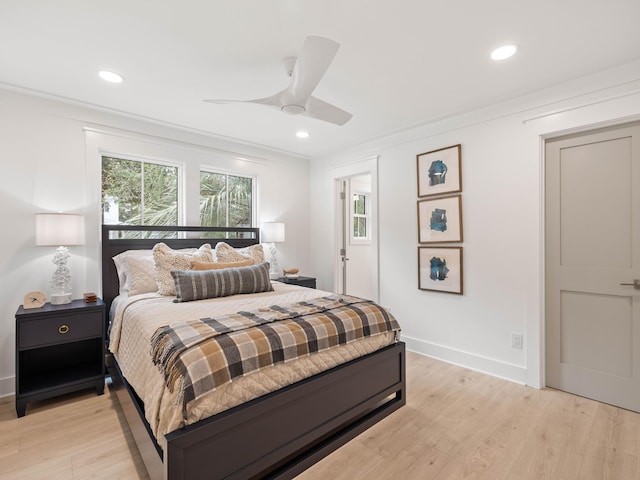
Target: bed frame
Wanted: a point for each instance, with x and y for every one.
(276, 436)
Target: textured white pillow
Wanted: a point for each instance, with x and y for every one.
(226, 253)
(122, 266)
(141, 275)
(167, 259)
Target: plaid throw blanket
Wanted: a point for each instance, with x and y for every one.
(199, 355)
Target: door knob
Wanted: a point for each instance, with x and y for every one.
(635, 284)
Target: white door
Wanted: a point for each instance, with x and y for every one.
(592, 252)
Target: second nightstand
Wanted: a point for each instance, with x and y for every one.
(308, 282)
(59, 349)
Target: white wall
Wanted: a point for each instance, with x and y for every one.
(50, 161)
(502, 200)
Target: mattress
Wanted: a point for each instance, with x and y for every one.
(135, 319)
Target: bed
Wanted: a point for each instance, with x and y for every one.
(281, 433)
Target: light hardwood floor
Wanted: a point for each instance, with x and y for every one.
(457, 424)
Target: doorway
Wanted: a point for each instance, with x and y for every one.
(592, 239)
(356, 229)
(355, 277)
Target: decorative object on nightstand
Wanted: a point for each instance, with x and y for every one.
(272, 233)
(59, 349)
(61, 230)
(34, 299)
(90, 297)
(290, 272)
(299, 280)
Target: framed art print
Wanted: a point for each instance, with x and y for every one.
(440, 220)
(439, 171)
(440, 269)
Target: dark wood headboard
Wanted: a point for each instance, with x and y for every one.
(119, 238)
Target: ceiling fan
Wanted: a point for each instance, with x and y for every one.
(305, 71)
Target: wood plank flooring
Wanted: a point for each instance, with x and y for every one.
(457, 424)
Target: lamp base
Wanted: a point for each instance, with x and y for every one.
(273, 262)
(60, 298)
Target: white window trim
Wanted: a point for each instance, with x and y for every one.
(367, 215)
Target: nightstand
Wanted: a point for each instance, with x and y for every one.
(308, 282)
(59, 349)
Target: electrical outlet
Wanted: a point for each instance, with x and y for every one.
(516, 340)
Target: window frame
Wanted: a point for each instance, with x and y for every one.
(366, 240)
(180, 198)
(227, 173)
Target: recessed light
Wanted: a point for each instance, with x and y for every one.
(504, 52)
(110, 76)
(302, 134)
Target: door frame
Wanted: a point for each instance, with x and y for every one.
(367, 166)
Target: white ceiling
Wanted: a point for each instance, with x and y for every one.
(401, 62)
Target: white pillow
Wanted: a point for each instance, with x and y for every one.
(166, 259)
(141, 275)
(225, 253)
(122, 266)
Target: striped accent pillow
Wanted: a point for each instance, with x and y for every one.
(201, 284)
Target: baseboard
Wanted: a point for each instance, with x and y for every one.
(490, 366)
(7, 386)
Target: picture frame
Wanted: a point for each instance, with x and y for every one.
(439, 171)
(440, 269)
(440, 220)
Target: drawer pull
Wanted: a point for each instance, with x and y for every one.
(63, 329)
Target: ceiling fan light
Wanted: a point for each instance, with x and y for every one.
(504, 52)
(293, 109)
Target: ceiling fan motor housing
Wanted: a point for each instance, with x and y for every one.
(293, 109)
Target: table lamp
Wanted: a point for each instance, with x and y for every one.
(272, 233)
(61, 230)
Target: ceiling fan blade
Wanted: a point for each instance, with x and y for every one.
(313, 61)
(272, 101)
(316, 108)
(310, 66)
(221, 102)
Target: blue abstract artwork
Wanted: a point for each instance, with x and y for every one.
(437, 173)
(439, 269)
(438, 220)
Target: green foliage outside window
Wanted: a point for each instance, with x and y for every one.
(144, 193)
(360, 204)
(141, 193)
(359, 216)
(359, 227)
(225, 200)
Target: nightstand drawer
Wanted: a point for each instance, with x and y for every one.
(59, 329)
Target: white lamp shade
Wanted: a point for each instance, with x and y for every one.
(59, 229)
(272, 232)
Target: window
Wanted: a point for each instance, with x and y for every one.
(360, 213)
(139, 193)
(226, 200)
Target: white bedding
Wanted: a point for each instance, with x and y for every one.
(136, 318)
